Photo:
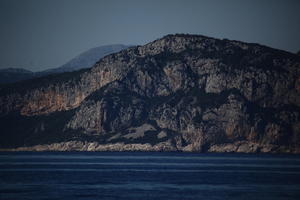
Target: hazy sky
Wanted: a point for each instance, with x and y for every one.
(40, 34)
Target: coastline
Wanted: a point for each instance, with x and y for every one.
(81, 146)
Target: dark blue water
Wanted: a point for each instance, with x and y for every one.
(140, 176)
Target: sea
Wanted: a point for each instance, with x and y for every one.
(148, 175)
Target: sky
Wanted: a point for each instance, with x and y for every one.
(42, 34)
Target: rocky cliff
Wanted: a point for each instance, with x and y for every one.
(178, 93)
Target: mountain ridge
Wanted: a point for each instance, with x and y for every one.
(180, 92)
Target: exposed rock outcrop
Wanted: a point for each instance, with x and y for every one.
(181, 92)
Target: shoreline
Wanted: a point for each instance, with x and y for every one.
(83, 146)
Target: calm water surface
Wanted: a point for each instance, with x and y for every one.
(123, 175)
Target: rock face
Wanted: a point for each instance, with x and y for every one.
(178, 93)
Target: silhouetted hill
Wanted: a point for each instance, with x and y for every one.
(10, 75)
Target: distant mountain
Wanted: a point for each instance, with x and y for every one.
(177, 93)
(87, 59)
(11, 75)
(84, 60)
